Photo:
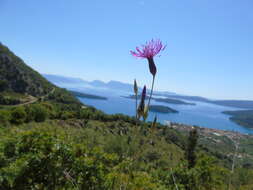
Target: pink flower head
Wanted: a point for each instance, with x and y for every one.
(151, 49)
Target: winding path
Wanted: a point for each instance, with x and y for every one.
(34, 99)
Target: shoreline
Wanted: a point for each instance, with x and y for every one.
(208, 131)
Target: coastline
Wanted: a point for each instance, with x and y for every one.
(208, 131)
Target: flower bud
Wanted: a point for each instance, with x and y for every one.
(152, 67)
(143, 94)
(142, 103)
(135, 88)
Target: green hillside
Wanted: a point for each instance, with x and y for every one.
(20, 78)
(242, 117)
(20, 84)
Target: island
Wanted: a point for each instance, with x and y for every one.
(134, 97)
(90, 96)
(173, 101)
(244, 104)
(161, 109)
(241, 117)
(165, 100)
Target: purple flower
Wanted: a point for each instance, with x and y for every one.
(149, 51)
(143, 94)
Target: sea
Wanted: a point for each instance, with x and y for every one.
(202, 114)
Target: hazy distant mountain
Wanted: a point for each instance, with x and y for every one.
(98, 83)
(116, 85)
(62, 79)
(244, 104)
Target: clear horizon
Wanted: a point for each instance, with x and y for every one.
(209, 44)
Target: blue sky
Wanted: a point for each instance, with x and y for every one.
(209, 42)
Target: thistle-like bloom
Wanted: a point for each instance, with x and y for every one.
(149, 51)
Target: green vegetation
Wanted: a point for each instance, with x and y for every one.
(161, 109)
(16, 76)
(18, 115)
(36, 112)
(13, 98)
(90, 96)
(242, 117)
(87, 149)
(7, 100)
(191, 148)
(62, 96)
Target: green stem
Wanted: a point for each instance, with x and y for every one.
(152, 88)
(136, 106)
(174, 179)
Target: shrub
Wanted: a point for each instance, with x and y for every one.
(3, 85)
(4, 117)
(48, 162)
(8, 100)
(40, 113)
(18, 115)
(67, 115)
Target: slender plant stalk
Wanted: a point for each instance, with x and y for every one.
(174, 180)
(233, 164)
(152, 88)
(136, 106)
(72, 181)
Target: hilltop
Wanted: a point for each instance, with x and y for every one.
(20, 84)
(16, 76)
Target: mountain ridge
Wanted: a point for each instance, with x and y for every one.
(117, 85)
(114, 84)
(19, 82)
(20, 78)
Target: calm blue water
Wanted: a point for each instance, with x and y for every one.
(202, 114)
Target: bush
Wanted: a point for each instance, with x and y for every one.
(8, 100)
(67, 115)
(48, 162)
(18, 115)
(4, 117)
(36, 113)
(3, 85)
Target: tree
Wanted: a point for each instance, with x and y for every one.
(191, 148)
(3, 85)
